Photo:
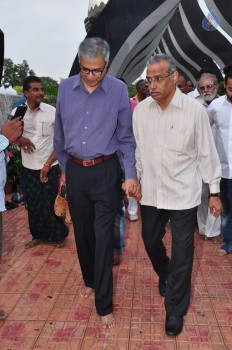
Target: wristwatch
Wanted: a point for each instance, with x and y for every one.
(214, 194)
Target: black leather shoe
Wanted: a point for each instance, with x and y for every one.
(174, 325)
(162, 287)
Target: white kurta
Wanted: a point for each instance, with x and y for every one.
(175, 150)
(220, 115)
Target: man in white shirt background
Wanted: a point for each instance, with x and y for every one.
(220, 115)
(205, 94)
(175, 150)
(209, 227)
(40, 168)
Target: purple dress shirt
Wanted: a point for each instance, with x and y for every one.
(89, 125)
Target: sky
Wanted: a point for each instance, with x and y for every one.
(45, 33)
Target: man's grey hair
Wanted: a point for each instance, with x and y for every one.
(163, 57)
(208, 75)
(93, 48)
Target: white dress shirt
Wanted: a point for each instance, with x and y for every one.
(220, 114)
(39, 129)
(175, 150)
(196, 95)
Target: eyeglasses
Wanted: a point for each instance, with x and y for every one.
(202, 88)
(96, 72)
(157, 79)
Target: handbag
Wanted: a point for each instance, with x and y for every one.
(61, 205)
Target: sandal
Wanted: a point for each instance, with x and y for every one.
(32, 243)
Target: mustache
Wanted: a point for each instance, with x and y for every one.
(209, 96)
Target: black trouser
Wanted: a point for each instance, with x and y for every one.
(178, 270)
(226, 198)
(94, 195)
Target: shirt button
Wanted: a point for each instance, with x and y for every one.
(86, 127)
(84, 143)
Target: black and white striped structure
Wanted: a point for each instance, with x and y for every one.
(196, 33)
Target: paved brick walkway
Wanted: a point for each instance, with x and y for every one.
(39, 289)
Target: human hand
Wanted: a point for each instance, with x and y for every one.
(26, 145)
(215, 206)
(44, 173)
(12, 130)
(132, 188)
(62, 181)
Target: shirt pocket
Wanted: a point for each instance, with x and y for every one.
(45, 128)
(176, 140)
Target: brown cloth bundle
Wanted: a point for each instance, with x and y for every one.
(61, 205)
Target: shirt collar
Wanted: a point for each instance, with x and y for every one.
(176, 100)
(79, 83)
(41, 107)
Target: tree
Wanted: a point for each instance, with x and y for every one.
(49, 81)
(50, 86)
(14, 74)
(50, 89)
(132, 90)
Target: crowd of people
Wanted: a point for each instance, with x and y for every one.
(167, 148)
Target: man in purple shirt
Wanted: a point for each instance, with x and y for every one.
(93, 121)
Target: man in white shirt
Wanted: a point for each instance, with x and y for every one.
(9, 133)
(220, 115)
(209, 227)
(174, 151)
(205, 93)
(40, 170)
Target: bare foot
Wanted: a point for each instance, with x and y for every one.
(108, 321)
(3, 315)
(32, 243)
(86, 292)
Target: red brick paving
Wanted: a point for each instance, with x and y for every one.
(39, 289)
